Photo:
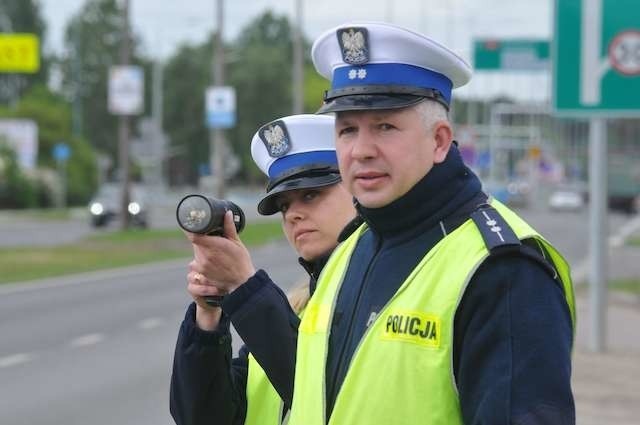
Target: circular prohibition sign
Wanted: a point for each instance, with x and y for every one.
(624, 52)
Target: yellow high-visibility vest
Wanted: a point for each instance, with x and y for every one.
(402, 371)
(264, 405)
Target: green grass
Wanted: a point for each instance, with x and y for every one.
(44, 214)
(109, 250)
(626, 285)
(634, 242)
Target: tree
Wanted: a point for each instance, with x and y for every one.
(94, 37)
(17, 16)
(186, 77)
(52, 114)
(261, 74)
(259, 67)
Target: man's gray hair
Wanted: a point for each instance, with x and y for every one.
(431, 112)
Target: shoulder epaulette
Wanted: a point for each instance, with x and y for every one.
(494, 229)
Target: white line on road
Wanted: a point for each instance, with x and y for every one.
(581, 270)
(15, 359)
(89, 339)
(150, 323)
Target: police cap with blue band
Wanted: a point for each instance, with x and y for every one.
(375, 65)
(295, 152)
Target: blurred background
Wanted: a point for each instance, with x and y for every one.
(112, 110)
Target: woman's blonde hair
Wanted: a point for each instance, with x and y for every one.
(299, 297)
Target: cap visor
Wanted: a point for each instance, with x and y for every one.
(358, 102)
(268, 206)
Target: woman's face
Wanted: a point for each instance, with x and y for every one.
(313, 218)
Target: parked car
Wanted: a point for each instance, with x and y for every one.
(106, 205)
(566, 200)
(513, 193)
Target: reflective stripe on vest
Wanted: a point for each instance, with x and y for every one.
(402, 369)
(264, 405)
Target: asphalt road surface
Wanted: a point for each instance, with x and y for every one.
(96, 349)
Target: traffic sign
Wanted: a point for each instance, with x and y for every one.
(220, 107)
(19, 53)
(61, 152)
(511, 55)
(126, 90)
(596, 57)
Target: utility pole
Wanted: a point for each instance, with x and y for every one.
(156, 113)
(297, 89)
(76, 117)
(124, 125)
(216, 135)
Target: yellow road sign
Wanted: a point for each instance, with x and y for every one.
(19, 53)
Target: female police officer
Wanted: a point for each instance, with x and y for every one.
(297, 153)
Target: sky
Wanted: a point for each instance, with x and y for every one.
(164, 24)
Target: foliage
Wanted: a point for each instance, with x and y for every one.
(262, 77)
(259, 67)
(186, 77)
(94, 37)
(53, 117)
(314, 87)
(108, 250)
(22, 16)
(16, 189)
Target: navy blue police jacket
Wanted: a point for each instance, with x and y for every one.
(512, 331)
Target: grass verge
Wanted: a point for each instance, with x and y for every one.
(109, 250)
(626, 285)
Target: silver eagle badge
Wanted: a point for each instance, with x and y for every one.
(275, 139)
(354, 44)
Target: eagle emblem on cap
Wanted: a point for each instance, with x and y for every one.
(275, 139)
(354, 44)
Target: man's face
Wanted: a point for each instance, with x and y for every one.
(383, 154)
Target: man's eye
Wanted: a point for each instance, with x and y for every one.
(345, 131)
(386, 126)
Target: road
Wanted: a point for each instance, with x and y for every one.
(16, 229)
(97, 349)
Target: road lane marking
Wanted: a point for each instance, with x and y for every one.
(150, 323)
(15, 359)
(628, 229)
(85, 340)
(580, 272)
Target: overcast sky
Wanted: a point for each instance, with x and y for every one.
(164, 24)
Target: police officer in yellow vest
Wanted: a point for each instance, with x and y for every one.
(297, 153)
(444, 307)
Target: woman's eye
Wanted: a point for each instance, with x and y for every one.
(283, 207)
(309, 196)
(386, 126)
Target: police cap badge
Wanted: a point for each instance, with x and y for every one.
(275, 138)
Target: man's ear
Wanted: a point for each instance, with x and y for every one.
(443, 135)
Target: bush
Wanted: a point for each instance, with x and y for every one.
(17, 190)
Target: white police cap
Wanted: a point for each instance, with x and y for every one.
(375, 65)
(295, 152)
